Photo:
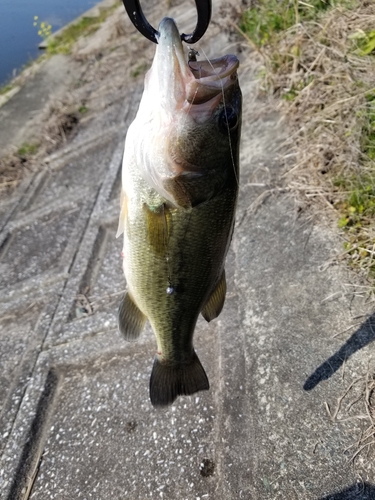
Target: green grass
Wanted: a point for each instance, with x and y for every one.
(293, 92)
(357, 210)
(63, 43)
(364, 42)
(358, 207)
(267, 18)
(139, 70)
(28, 149)
(6, 88)
(83, 109)
(367, 116)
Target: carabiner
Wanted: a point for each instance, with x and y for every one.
(204, 10)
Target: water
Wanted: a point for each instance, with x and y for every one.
(19, 39)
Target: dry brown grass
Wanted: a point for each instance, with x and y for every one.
(56, 124)
(357, 402)
(322, 85)
(327, 86)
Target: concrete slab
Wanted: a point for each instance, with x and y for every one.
(130, 451)
(24, 325)
(16, 116)
(279, 357)
(35, 248)
(78, 177)
(14, 344)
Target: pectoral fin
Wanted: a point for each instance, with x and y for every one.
(158, 220)
(215, 303)
(130, 319)
(123, 213)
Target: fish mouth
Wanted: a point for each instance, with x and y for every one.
(211, 78)
(185, 83)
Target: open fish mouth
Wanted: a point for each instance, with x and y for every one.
(180, 82)
(211, 78)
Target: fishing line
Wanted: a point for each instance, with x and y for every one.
(225, 113)
(170, 289)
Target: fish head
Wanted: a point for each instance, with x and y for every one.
(188, 124)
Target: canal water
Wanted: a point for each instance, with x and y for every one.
(19, 37)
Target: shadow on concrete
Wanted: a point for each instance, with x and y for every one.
(358, 491)
(363, 336)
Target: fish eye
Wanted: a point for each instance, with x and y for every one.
(228, 119)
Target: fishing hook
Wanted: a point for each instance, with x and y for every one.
(204, 10)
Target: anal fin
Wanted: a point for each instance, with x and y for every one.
(215, 303)
(130, 319)
(169, 381)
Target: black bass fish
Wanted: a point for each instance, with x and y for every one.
(179, 192)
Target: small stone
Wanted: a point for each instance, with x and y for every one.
(207, 467)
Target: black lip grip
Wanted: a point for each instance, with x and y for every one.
(204, 11)
(135, 13)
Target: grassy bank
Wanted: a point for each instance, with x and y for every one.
(319, 62)
(84, 26)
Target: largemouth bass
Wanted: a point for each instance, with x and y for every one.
(179, 191)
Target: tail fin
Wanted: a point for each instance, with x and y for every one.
(168, 381)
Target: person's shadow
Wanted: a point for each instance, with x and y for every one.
(358, 491)
(363, 336)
